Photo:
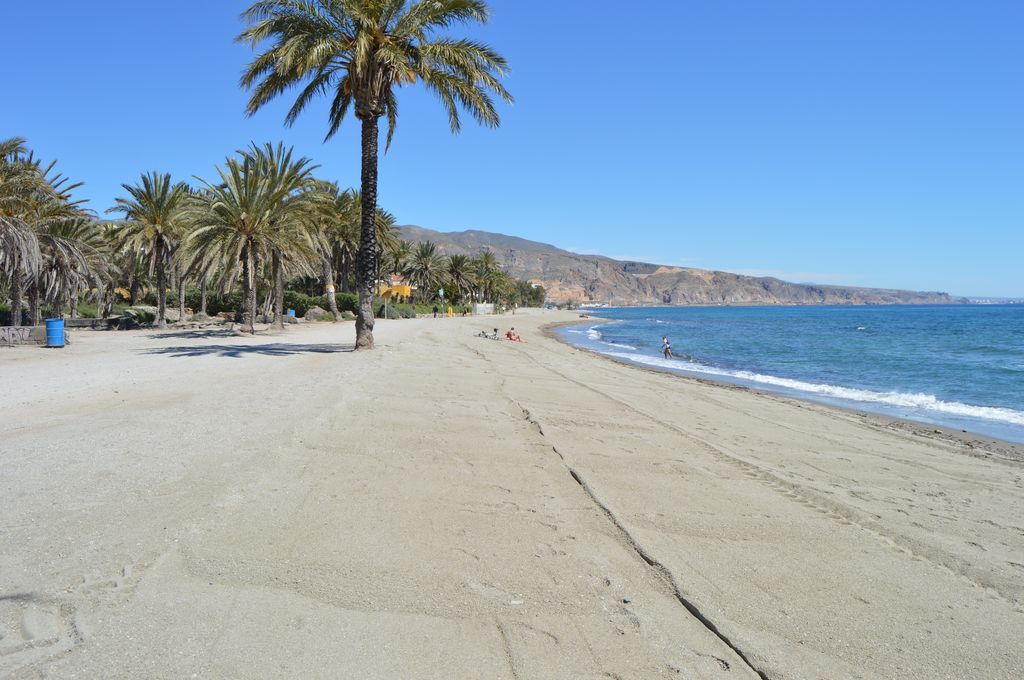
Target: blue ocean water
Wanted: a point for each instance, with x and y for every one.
(958, 366)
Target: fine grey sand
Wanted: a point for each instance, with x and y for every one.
(178, 505)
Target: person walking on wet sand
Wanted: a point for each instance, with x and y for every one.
(666, 347)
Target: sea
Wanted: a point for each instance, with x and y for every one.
(958, 366)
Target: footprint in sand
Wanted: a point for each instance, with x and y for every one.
(33, 630)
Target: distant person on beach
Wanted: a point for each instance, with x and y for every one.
(435, 311)
(666, 347)
(512, 335)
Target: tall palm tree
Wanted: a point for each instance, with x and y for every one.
(361, 51)
(153, 223)
(259, 208)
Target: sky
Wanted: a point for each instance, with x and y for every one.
(869, 143)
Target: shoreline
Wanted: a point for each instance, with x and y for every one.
(976, 442)
(807, 304)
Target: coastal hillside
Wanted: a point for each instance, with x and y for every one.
(592, 278)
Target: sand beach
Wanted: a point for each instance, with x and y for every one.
(195, 504)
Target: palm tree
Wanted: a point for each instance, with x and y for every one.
(400, 254)
(487, 275)
(386, 240)
(153, 223)
(361, 51)
(337, 235)
(460, 276)
(74, 259)
(259, 208)
(425, 269)
(19, 248)
(32, 200)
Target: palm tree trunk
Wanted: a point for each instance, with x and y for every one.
(249, 290)
(74, 304)
(134, 291)
(33, 303)
(181, 298)
(345, 274)
(202, 295)
(332, 300)
(161, 287)
(367, 265)
(106, 300)
(17, 292)
(278, 291)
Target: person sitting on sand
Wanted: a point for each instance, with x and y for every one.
(666, 347)
(512, 335)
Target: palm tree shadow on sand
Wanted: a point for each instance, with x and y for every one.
(279, 349)
(194, 335)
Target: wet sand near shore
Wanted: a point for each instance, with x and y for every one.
(197, 504)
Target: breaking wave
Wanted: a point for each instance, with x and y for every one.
(919, 401)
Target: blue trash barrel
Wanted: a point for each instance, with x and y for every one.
(291, 312)
(55, 332)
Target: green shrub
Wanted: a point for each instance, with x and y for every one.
(88, 310)
(347, 302)
(215, 304)
(300, 302)
(392, 311)
(348, 316)
(230, 302)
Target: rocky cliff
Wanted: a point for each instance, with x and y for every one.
(591, 278)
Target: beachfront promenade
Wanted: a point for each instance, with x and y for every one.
(199, 505)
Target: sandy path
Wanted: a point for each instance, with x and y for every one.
(449, 506)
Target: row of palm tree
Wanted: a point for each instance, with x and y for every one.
(264, 217)
(461, 277)
(359, 52)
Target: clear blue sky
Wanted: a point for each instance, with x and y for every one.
(871, 143)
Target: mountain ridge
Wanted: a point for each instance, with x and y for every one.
(597, 279)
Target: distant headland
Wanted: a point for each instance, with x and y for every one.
(568, 276)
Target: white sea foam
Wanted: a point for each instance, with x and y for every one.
(598, 336)
(922, 402)
(620, 345)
